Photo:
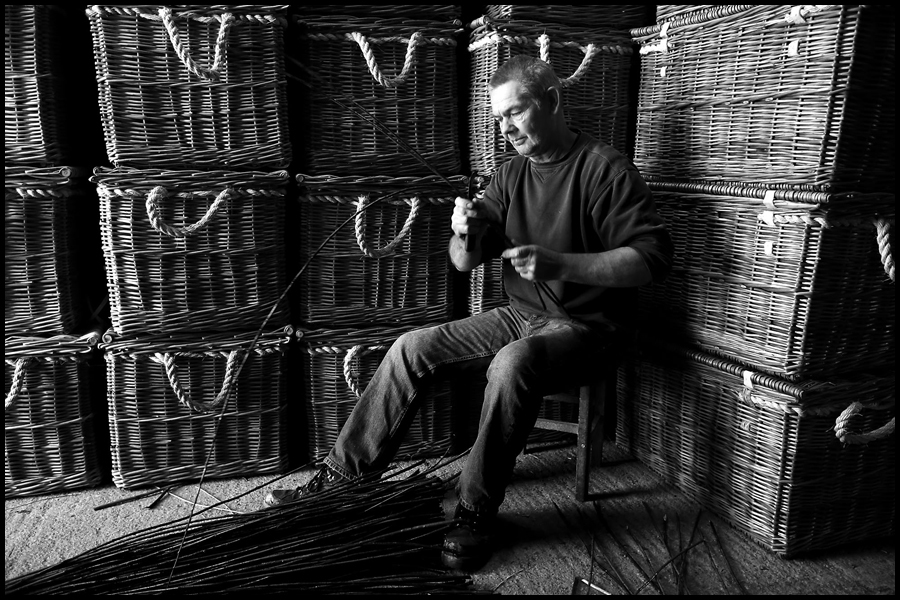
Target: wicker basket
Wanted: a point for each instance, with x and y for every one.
(166, 401)
(770, 94)
(796, 467)
(34, 135)
(197, 86)
(486, 289)
(436, 12)
(50, 437)
(780, 285)
(42, 290)
(389, 267)
(338, 364)
(403, 73)
(193, 251)
(592, 16)
(594, 66)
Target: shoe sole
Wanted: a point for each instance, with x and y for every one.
(466, 564)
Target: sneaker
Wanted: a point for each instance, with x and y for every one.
(326, 478)
(467, 547)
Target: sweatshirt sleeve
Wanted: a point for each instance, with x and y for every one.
(625, 215)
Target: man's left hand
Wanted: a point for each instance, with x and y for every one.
(533, 263)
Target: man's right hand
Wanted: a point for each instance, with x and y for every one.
(469, 219)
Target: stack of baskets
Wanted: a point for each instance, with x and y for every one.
(767, 135)
(379, 87)
(592, 51)
(193, 105)
(50, 428)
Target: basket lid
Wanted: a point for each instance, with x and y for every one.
(188, 342)
(59, 345)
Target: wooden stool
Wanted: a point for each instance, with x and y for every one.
(591, 399)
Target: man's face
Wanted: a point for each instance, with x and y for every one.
(522, 123)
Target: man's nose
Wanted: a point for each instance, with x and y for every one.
(506, 125)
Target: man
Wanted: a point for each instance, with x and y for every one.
(575, 225)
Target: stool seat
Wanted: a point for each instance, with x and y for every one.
(591, 399)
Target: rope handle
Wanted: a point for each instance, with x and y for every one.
(414, 40)
(167, 360)
(842, 432)
(404, 231)
(883, 232)
(589, 51)
(18, 379)
(158, 193)
(348, 370)
(181, 49)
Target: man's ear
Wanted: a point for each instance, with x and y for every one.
(554, 99)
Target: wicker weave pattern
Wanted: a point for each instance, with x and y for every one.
(196, 87)
(41, 290)
(486, 290)
(388, 265)
(776, 284)
(192, 251)
(754, 94)
(616, 16)
(401, 72)
(764, 454)
(338, 365)
(49, 431)
(442, 12)
(32, 133)
(593, 64)
(165, 397)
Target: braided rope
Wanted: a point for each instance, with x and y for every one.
(211, 74)
(348, 359)
(377, 75)
(842, 432)
(171, 369)
(883, 231)
(387, 249)
(496, 39)
(159, 192)
(18, 379)
(589, 51)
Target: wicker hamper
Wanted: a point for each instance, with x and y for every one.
(436, 12)
(391, 74)
(794, 289)
(191, 251)
(615, 16)
(795, 466)
(388, 265)
(42, 272)
(176, 402)
(796, 96)
(50, 437)
(594, 66)
(338, 364)
(34, 134)
(192, 85)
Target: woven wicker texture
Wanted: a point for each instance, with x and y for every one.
(193, 87)
(436, 12)
(402, 72)
(594, 66)
(766, 94)
(388, 265)
(193, 251)
(616, 16)
(33, 135)
(780, 285)
(41, 285)
(795, 467)
(166, 395)
(49, 435)
(338, 365)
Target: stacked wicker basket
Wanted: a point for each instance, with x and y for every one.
(591, 50)
(379, 86)
(51, 425)
(767, 135)
(193, 103)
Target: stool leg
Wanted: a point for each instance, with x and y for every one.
(591, 406)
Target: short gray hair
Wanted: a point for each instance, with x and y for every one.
(535, 75)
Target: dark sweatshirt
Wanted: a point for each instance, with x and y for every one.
(592, 200)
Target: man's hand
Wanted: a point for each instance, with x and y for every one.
(468, 218)
(534, 263)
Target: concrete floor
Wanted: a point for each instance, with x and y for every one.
(545, 541)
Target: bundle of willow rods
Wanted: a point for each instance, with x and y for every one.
(380, 534)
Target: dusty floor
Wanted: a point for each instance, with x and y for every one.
(546, 534)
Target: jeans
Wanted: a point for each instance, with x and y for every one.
(526, 357)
